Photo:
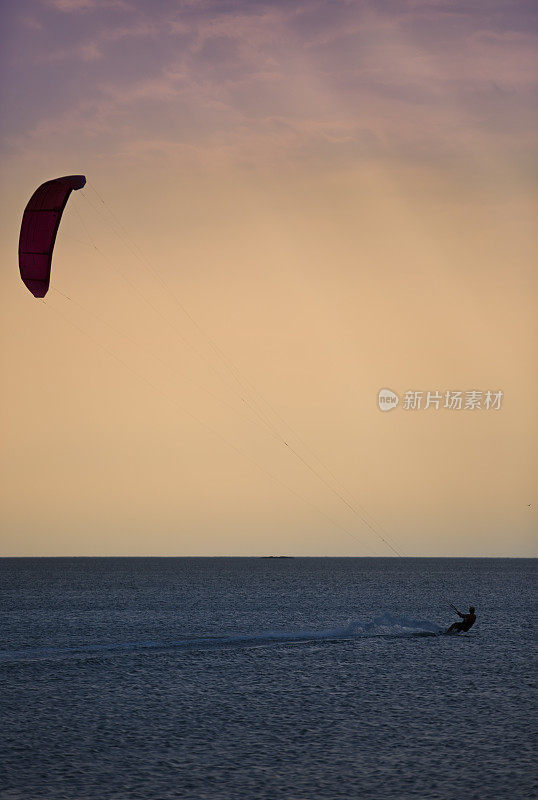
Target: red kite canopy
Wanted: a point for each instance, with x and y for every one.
(39, 226)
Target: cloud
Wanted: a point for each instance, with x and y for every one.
(299, 80)
(93, 47)
(32, 22)
(70, 6)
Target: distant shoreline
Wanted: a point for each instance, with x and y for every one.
(356, 558)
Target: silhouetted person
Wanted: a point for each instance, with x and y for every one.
(467, 621)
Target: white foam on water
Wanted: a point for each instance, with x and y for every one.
(393, 625)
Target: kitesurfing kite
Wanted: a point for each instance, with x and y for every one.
(39, 227)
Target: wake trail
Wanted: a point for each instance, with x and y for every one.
(387, 625)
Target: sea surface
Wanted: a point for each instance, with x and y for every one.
(253, 678)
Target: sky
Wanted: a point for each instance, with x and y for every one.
(290, 206)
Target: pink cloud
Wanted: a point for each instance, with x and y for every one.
(281, 80)
(70, 6)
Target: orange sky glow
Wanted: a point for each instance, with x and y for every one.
(290, 206)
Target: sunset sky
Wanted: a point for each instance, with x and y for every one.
(290, 206)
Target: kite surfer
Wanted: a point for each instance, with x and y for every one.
(467, 621)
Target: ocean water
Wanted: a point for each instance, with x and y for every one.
(303, 679)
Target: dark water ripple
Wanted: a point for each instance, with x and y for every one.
(246, 678)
